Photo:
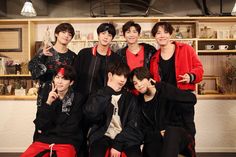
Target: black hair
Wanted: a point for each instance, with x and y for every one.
(165, 25)
(107, 27)
(129, 24)
(64, 27)
(119, 68)
(69, 72)
(141, 73)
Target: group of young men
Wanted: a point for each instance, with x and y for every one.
(135, 102)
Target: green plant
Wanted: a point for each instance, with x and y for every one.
(230, 70)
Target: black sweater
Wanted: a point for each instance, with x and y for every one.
(52, 125)
(172, 107)
(98, 109)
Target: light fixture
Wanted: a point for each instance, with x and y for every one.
(28, 9)
(233, 12)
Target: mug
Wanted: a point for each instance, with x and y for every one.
(223, 47)
(209, 47)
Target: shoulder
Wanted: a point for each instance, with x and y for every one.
(156, 55)
(148, 47)
(129, 96)
(85, 53)
(80, 98)
(71, 53)
(114, 57)
(121, 51)
(183, 46)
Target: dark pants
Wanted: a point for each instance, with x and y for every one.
(99, 148)
(176, 141)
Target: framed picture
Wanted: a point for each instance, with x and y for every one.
(211, 84)
(183, 30)
(11, 39)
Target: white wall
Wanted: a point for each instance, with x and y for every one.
(16, 125)
(215, 121)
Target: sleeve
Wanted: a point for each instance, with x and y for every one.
(96, 104)
(197, 68)
(45, 117)
(37, 65)
(184, 99)
(76, 66)
(131, 132)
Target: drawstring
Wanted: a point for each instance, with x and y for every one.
(50, 146)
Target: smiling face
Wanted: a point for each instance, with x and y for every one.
(131, 35)
(162, 37)
(63, 37)
(61, 83)
(141, 85)
(116, 82)
(104, 38)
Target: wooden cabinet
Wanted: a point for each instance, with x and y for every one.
(195, 31)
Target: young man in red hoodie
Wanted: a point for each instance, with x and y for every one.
(175, 63)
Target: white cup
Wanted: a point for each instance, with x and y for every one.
(209, 47)
(223, 47)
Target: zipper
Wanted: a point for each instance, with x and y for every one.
(91, 82)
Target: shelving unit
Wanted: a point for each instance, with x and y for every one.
(213, 60)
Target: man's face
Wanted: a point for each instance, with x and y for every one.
(141, 85)
(162, 37)
(61, 83)
(131, 35)
(64, 37)
(104, 38)
(116, 82)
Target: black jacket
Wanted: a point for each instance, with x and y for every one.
(87, 65)
(98, 109)
(53, 125)
(173, 107)
(149, 50)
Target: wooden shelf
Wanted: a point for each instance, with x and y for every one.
(33, 29)
(14, 75)
(140, 39)
(216, 51)
(201, 39)
(217, 96)
(13, 97)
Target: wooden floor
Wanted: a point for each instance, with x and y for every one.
(198, 154)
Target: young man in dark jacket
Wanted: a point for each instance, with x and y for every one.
(57, 123)
(135, 54)
(91, 68)
(167, 117)
(91, 63)
(113, 113)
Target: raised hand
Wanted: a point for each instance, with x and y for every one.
(185, 78)
(52, 95)
(46, 51)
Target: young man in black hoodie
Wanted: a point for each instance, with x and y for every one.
(113, 113)
(167, 118)
(57, 123)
